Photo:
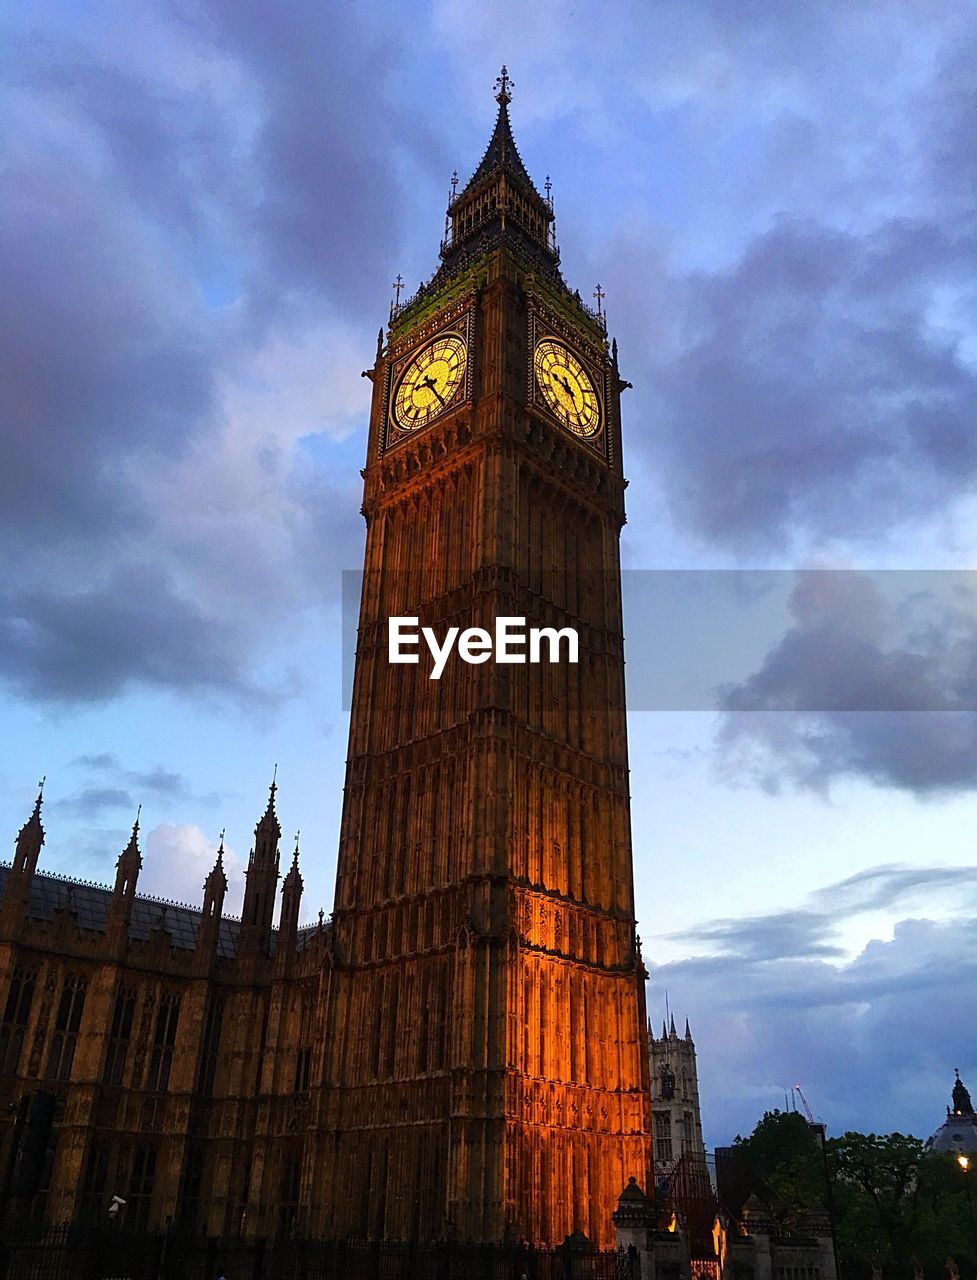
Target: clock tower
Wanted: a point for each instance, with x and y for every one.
(483, 1064)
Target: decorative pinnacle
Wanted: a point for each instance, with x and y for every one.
(295, 854)
(548, 188)
(220, 848)
(40, 798)
(135, 825)
(502, 86)
(600, 295)
(454, 185)
(397, 285)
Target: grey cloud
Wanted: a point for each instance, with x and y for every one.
(98, 642)
(159, 780)
(767, 1013)
(758, 938)
(811, 393)
(810, 932)
(864, 686)
(92, 802)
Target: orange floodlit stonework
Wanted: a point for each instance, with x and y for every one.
(460, 1052)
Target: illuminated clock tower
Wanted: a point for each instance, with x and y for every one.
(484, 1069)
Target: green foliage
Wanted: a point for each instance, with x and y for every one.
(785, 1160)
(892, 1203)
(896, 1203)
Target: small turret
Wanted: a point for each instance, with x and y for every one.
(261, 881)
(129, 864)
(27, 850)
(126, 874)
(962, 1106)
(30, 838)
(215, 886)
(291, 900)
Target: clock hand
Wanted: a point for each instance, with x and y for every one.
(567, 388)
(432, 386)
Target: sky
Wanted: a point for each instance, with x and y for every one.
(205, 204)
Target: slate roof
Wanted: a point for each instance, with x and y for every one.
(89, 904)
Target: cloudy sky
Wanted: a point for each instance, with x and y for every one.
(205, 203)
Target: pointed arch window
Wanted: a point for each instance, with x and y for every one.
(16, 1014)
(67, 1022)
(164, 1038)
(120, 1035)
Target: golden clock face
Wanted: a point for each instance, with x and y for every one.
(430, 382)
(566, 387)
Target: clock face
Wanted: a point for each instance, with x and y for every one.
(430, 382)
(567, 387)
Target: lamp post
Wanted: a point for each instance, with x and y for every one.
(964, 1163)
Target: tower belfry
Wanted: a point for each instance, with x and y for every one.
(484, 1064)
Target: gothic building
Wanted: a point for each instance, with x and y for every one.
(460, 1050)
(676, 1119)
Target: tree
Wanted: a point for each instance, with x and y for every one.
(784, 1158)
(895, 1203)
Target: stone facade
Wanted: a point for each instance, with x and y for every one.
(461, 1051)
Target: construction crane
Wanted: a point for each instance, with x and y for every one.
(807, 1110)
(818, 1127)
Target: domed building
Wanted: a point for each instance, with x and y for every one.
(958, 1133)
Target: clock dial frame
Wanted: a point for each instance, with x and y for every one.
(567, 388)
(429, 384)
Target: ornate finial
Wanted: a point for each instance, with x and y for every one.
(397, 285)
(502, 86)
(220, 847)
(600, 296)
(273, 789)
(454, 185)
(379, 343)
(321, 915)
(135, 825)
(295, 855)
(548, 188)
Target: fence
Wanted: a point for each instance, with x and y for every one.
(76, 1254)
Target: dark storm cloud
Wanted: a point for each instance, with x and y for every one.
(766, 1011)
(329, 143)
(862, 685)
(92, 802)
(159, 780)
(163, 227)
(812, 391)
(110, 785)
(811, 932)
(97, 643)
(103, 360)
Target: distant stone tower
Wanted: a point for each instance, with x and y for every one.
(676, 1121)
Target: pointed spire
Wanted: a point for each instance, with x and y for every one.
(962, 1106)
(268, 831)
(217, 872)
(294, 876)
(664, 1030)
(501, 152)
(133, 845)
(33, 824)
(671, 1029)
(688, 1031)
(27, 850)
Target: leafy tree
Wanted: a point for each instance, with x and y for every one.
(893, 1203)
(784, 1158)
(896, 1203)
